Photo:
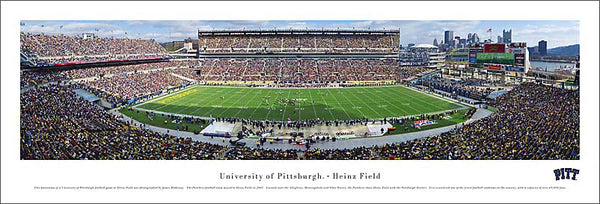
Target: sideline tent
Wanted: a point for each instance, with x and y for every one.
(375, 129)
(218, 129)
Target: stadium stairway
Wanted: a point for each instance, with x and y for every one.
(300, 155)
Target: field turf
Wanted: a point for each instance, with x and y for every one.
(326, 104)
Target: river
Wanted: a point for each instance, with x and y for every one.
(551, 66)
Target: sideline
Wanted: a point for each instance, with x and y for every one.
(339, 144)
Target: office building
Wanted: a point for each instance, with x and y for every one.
(507, 36)
(449, 37)
(543, 48)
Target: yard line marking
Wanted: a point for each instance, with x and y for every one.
(450, 100)
(385, 95)
(327, 107)
(354, 106)
(238, 100)
(246, 105)
(338, 101)
(164, 96)
(185, 102)
(387, 101)
(417, 98)
(313, 105)
(298, 103)
(459, 104)
(413, 100)
(214, 99)
(258, 107)
(285, 106)
(300, 110)
(367, 104)
(271, 106)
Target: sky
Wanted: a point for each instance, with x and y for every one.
(557, 33)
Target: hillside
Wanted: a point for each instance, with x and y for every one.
(570, 50)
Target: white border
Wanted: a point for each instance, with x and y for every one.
(18, 177)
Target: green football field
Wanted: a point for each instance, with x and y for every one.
(325, 104)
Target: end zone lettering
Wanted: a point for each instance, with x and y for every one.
(565, 173)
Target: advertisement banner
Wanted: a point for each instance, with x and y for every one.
(421, 123)
(519, 59)
(515, 50)
(518, 44)
(514, 69)
(495, 67)
(472, 56)
(494, 48)
(496, 58)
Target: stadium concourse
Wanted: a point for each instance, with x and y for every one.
(533, 121)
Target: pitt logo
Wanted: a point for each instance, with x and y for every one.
(565, 173)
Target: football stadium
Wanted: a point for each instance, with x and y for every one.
(289, 94)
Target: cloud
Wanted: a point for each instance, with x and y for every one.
(411, 31)
(546, 29)
(38, 29)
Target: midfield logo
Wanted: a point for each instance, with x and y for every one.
(565, 173)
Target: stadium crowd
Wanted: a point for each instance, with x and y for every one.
(29, 78)
(466, 88)
(302, 70)
(246, 153)
(104, 71)
(138, 85)
(358, 153)
(51, 48)
(58, 124)
(299, 43)
(532, 122)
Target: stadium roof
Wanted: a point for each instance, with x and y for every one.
(297, 31)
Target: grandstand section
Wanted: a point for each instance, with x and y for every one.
(324, 41)
(55, 50)
(299, 70)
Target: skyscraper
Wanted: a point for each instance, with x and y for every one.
(475, 38)
(500, 40)
(449, 37)
(435, 42)
(507, 36)
(543, 47)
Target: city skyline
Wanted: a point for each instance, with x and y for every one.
(556, 33)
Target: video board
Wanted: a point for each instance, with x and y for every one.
(494, 48)
(496, 58)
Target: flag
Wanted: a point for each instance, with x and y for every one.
(489, 30)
